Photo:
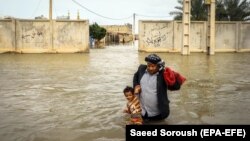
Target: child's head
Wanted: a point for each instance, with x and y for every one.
(129, 93)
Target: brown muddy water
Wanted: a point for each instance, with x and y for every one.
(78, 97)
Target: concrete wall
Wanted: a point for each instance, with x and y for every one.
(232, 36)
(7, 35)
(177, 37)
(244, 41)
(225, 36)
(118, 33)
(197, 36)
(118, 28)
(156, 35)
(71, 36)
(35, 36)
(166, 36)
(244, 37)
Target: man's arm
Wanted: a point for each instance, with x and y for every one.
(136, 79)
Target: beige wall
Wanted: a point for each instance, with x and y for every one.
(244, 40)
(156, 35)
(118, 29)
(166, 36)
(225, 36)
(71, 36)
(198, 36)
(118, 33)
(7, 35)
(34, 36)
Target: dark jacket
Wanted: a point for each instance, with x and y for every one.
(163, 101)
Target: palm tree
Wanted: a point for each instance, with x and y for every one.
(226, 10)
(237, 10)
(221, 13)
(178, 14)
(198, 10)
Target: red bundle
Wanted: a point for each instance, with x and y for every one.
(171, 76)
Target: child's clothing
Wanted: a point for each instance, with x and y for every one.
(134, 106)
(134, 109)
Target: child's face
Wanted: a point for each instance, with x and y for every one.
(129, 96)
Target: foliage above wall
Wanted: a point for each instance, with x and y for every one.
(97, 32)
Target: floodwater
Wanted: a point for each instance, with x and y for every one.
(76, 97)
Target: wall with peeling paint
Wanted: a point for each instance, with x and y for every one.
(166, 36)
(35, 36)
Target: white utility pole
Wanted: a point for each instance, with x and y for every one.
(186, 27)
(210, 26)
(51, 24)
(133, 29)
(50, 10)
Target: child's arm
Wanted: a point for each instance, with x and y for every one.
(125, 110)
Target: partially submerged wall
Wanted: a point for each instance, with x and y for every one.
(166, 36)
(35, 36)
(71, 36)
(7, 36)
(156, 36)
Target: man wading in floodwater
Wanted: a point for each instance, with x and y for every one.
(152, 81)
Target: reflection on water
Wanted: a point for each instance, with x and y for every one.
(79, 96)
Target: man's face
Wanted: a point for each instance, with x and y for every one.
(152, 68)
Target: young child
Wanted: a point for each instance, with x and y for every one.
(133, 106)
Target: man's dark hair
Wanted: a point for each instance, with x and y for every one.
(128, 89)
(153, 58)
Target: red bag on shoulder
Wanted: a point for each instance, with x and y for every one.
(171, 77)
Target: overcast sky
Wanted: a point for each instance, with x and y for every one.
(106, 12)
(112, 9)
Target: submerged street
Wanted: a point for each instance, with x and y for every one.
(79, 96)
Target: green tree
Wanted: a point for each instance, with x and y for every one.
(178, 12)
(221, 13)
(236, 10)
(198, 10)
(97, 32)
(226, 10)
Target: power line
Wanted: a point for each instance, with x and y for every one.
(38, 5)
(152, 16)
(54, 7)
(100, 14)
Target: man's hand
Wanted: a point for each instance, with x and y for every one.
(137, 89)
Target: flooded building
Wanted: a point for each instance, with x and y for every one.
(118, 33)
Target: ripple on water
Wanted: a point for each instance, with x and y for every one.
(48, 88)
(79, 96)
(227, 88)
